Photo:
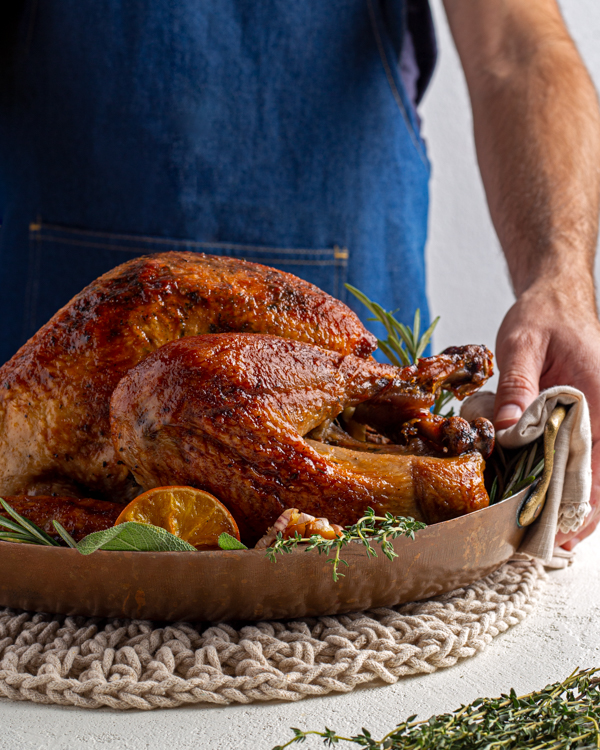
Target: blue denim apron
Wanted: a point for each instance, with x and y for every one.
(276, 131)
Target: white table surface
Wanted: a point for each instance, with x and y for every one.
(563, 633)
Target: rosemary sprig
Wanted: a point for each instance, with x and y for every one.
(515, 470)
(404, 345)
(440, 403)
(564, 715)
(370, 528)
(64, 535)
(130, 536)
(21, 530)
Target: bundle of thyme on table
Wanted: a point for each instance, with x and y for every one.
(562, 716)
(370, 528)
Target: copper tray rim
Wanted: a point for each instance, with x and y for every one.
(521, 497)
(234, 585)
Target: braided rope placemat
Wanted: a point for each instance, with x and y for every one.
(90, 663)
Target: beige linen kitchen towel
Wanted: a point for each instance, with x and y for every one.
(567, 500)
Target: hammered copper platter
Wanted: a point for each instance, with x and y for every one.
(245, 585)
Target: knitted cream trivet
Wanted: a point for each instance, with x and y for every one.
(89, 663)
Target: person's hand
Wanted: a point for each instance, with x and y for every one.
(551, 336)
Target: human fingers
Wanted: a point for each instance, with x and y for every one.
(520, 356)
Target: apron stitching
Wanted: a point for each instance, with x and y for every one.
(38, 228)
(102, 246)
(392, 82)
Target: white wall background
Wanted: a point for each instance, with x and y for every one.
(468, 279)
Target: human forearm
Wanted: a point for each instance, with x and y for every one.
(537, 132)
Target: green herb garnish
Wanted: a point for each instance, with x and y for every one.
(515, 470)
(562, 716)
(441, 401)
(21, 530)
(130, 536)
(369, 528)
(142, 537)
(404, 345)
(228, 542)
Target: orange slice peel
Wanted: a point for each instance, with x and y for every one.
(191, 514)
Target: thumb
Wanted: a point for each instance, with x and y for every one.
(520, 371)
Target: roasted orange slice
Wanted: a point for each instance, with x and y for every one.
(191, 514)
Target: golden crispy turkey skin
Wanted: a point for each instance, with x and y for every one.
(228, 413)
(55, 392)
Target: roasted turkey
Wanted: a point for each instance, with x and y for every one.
(235, 378)
(229, 413)
(55, 392)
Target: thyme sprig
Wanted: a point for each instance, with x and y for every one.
(562, 716)
(369, 529)
(404, 345)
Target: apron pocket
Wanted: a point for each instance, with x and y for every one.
(62, 261)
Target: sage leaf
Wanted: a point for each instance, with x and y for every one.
(226, 541)
(133, 537)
